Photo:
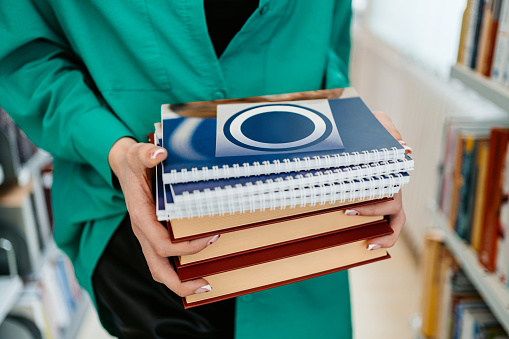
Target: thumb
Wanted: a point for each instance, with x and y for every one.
(152, 155)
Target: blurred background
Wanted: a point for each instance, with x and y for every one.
(440, 70)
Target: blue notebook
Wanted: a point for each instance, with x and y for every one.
(223, 201)
(261, 138)
(284, 181)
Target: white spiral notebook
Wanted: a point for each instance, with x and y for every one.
(250, 139)
(226, 200)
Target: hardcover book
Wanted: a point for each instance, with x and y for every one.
(197, 270)
(289, 269)
(499, 139)
(184, 229)
(275, 233)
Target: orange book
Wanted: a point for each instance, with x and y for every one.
(499, 139)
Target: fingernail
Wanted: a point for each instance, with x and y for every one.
(373, 247)
(153, 154)
(203, 289)
(213, 240)
(351, 212)
(408, 149)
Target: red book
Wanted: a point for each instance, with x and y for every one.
(499, 139)
(194, 228)
(291, 262)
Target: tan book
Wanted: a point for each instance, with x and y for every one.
(272, 234)
(192, 228)
(268, 273)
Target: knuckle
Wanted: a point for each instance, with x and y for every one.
(155, 276)
(179, 291)
(161, 249)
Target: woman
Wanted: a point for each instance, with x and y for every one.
(85, 80)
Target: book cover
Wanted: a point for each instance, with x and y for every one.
(465, 22)
(502, 256)
(466, 189)
(276, 234)
(479, 204)
(477, 32)
(285, 271)
(498, 147)
(288, 249)
(501, 45)
(230, 201)
(487, 63)
(194, 228)
(484, 35)
(369, 173)
(331, 133)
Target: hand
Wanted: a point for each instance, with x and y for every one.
(393, 208)
(131, 162)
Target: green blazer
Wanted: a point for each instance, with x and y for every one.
(78, 75)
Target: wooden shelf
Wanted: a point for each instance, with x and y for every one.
(493, 291)
(485, 87)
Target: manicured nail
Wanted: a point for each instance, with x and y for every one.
(373, 247)
(203, 289)
(213, 240)
(408, 149)
(153, 154)
(351, 212)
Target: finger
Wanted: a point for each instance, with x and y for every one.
(142, 156)
(151, 155)
(386, 121)
(396, 222)
(382, 208)
(157, 235)
(163, 272)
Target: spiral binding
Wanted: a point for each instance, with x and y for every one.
(318, 178)
(249, 200)
(293, 165)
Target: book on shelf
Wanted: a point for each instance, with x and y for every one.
(490, 20)
(479, 203)
(501, 51)
(502, 255)
(474, 189)
(274, 178)
(451, 306)
(464, 32)
(493, 198)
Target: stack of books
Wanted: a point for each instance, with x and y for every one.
(273, 178)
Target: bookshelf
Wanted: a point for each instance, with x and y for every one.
(10, 285)
(494, 92)
(494, 293)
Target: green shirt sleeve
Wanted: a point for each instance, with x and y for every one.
(339, 54)
(46, 90)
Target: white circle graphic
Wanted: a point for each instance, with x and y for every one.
(236, 132)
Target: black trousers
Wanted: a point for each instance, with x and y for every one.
(141, 308)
